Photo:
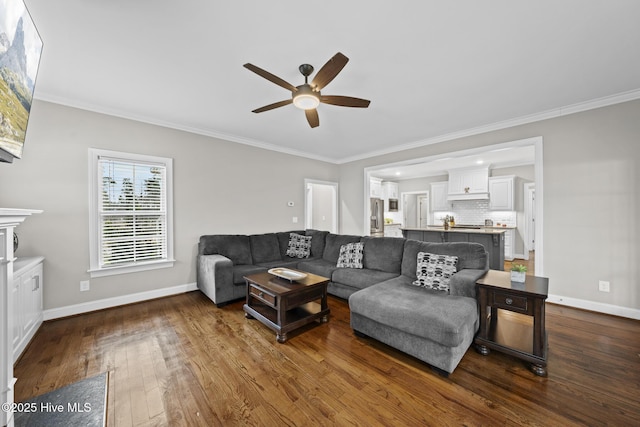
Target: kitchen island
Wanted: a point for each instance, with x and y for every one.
(492, 238)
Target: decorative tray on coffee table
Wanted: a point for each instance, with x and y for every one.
(285, 273)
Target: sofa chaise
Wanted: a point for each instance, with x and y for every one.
(434, 326)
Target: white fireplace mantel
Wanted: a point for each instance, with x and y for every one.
(9, 219)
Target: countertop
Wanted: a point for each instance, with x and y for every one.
(483, 230)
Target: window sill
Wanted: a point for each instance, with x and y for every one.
(111, 271)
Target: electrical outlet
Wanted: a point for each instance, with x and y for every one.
(84, 286)
(604, 286)
(295, 219)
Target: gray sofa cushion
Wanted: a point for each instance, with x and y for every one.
(317, 242)
(383, 253)
(235, 247)
(360, 278)
(333, 242)
(396, 303)
(239, 271)
(264, 248)
(470, 255)
(320, 266)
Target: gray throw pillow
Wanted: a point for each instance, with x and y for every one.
(351, 255)
(435, 271)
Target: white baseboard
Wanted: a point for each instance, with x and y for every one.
(599, 307)
(72, 310)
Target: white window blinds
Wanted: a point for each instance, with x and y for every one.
(132, 212)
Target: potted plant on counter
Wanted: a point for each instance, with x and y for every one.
(518, 272)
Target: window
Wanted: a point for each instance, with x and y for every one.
(130, 215)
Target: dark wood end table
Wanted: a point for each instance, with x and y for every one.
(512, 317)
(283, 305)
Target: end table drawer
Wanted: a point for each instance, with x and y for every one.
(509, 301)
(263, 296)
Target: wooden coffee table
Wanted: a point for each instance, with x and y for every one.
(283, 305)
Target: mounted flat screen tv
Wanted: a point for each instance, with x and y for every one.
(20, 50)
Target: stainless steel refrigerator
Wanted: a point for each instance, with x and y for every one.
(377, 217)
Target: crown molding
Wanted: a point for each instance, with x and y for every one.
(545, 115)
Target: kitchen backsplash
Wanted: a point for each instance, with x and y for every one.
(475, 212)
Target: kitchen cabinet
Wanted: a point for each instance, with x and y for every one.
(27, 301)
(390, 189)
(501, 193)
(375, 188)
(439, 193)
(468, 183)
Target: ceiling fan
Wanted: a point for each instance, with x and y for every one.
(307, 96)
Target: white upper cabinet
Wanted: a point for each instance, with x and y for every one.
(439, 193)
(375, 188)
(501, 193)
(468, 184)
(390, 189)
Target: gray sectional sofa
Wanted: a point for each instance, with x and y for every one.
(433, 326)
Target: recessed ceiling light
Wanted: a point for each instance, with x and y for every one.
(398, 173)
(479, 162)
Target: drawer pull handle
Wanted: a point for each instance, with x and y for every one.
(509, 301)
(260, 294)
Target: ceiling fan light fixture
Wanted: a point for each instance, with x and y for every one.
(306, 98)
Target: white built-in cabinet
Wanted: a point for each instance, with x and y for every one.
(468, 181)
(9, 220)
(439, 193)
(26, 295)
(501, 193)
(375, 188)
(390, 189)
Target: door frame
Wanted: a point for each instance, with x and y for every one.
(419, 210)
(308, 203)
(402, 204)
(529, 218)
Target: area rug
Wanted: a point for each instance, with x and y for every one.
(78, 404)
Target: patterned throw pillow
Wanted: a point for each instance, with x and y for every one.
(435, 271)
(299, 246)
(351, 255)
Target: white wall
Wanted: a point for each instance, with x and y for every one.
(591, 199)
(219, 187)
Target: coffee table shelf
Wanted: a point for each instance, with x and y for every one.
(284, 306)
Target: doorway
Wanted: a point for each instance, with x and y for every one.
(321, 205)
(423, 211)
(415, 208)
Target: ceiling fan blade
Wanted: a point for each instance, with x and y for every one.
(272, 106)
(345, 101)
(329, 71)
(267, 75)
(312, 117)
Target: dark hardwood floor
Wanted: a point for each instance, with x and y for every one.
(180, 361)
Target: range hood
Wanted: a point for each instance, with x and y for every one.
(468, 184)
(469, 196)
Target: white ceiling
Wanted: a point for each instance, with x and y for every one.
(432, 69)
